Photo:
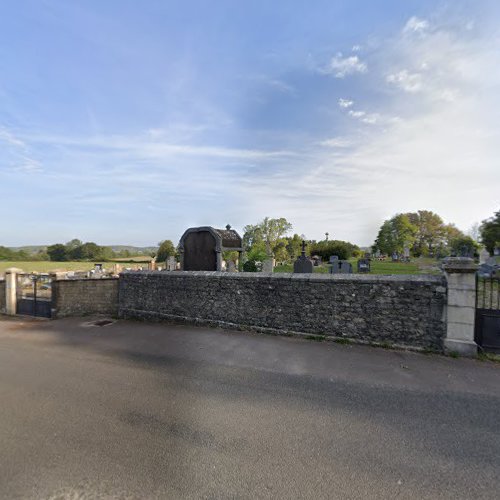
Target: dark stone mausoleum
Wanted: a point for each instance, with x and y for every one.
(201, 247)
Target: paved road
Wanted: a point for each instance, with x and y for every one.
(134, 410)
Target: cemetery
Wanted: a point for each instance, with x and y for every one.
(454, 306)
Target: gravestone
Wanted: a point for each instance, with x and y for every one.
(491, 261)
(395, 257)
(363, 265)
(484, 255)
(334, 261)
(267, 266)
(231, 267)
(345, 267)
(171, 264)
(303, 264)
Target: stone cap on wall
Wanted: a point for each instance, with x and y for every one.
(459, 265)
(315, 277)
(12, 270)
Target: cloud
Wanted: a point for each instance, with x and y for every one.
(345, 103)
(416, 25)
(432, 146)
(336, 142)
(409, 82)
(29, 165)
(364, 117)
(10, 138)
(341, 67)
(357, 114)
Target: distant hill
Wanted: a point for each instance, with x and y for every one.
(33, 249)
(132, 249)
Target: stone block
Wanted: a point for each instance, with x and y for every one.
(461, 281)
(460, 331)
(461, 314)
(463, 348)
(461, 298)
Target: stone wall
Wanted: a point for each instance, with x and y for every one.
(82, 297)
(398, 310)
(2, 296)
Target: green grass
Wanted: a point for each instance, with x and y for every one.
(416, 266)
(489, 356)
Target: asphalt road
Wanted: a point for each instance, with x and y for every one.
(135, 410)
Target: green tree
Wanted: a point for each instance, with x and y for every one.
(325, 249)
(166, 249)
(70, 245)
(430, 232)
(490, 232)
(6, 253)
(464, 246)
(57, 252)
(395, 234)
(270, 231)
(294, 245)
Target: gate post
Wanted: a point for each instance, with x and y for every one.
(460, 273)
(11, 290)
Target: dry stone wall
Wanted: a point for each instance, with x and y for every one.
(82, 297)
(398, 310)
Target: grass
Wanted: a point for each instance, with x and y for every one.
(489, 356)
(416, 266)
(47, 266)
(316, 338)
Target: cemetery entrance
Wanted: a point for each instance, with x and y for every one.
(34, 295)
(487, 333)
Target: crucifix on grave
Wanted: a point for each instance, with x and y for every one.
(303, 264)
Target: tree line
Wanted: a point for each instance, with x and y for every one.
(424, 233)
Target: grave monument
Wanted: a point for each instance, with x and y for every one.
(303, 264)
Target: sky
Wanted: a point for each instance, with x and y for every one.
(126, 122)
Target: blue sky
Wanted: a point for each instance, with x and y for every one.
(127, 121)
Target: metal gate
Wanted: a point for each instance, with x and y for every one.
(487, 333)
(34, 295)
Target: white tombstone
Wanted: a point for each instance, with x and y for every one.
(484, 255)
(267, 266)
(171, 264)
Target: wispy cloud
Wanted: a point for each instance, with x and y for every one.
(345, 103)
(336, 142)
(409, 82)
(416, 25)
(341, 66)
(10, 138)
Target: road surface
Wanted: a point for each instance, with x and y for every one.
(137, 410)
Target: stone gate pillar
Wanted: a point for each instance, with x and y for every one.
(460, 273)
(11, 290)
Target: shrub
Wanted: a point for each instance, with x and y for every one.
(343, 249)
